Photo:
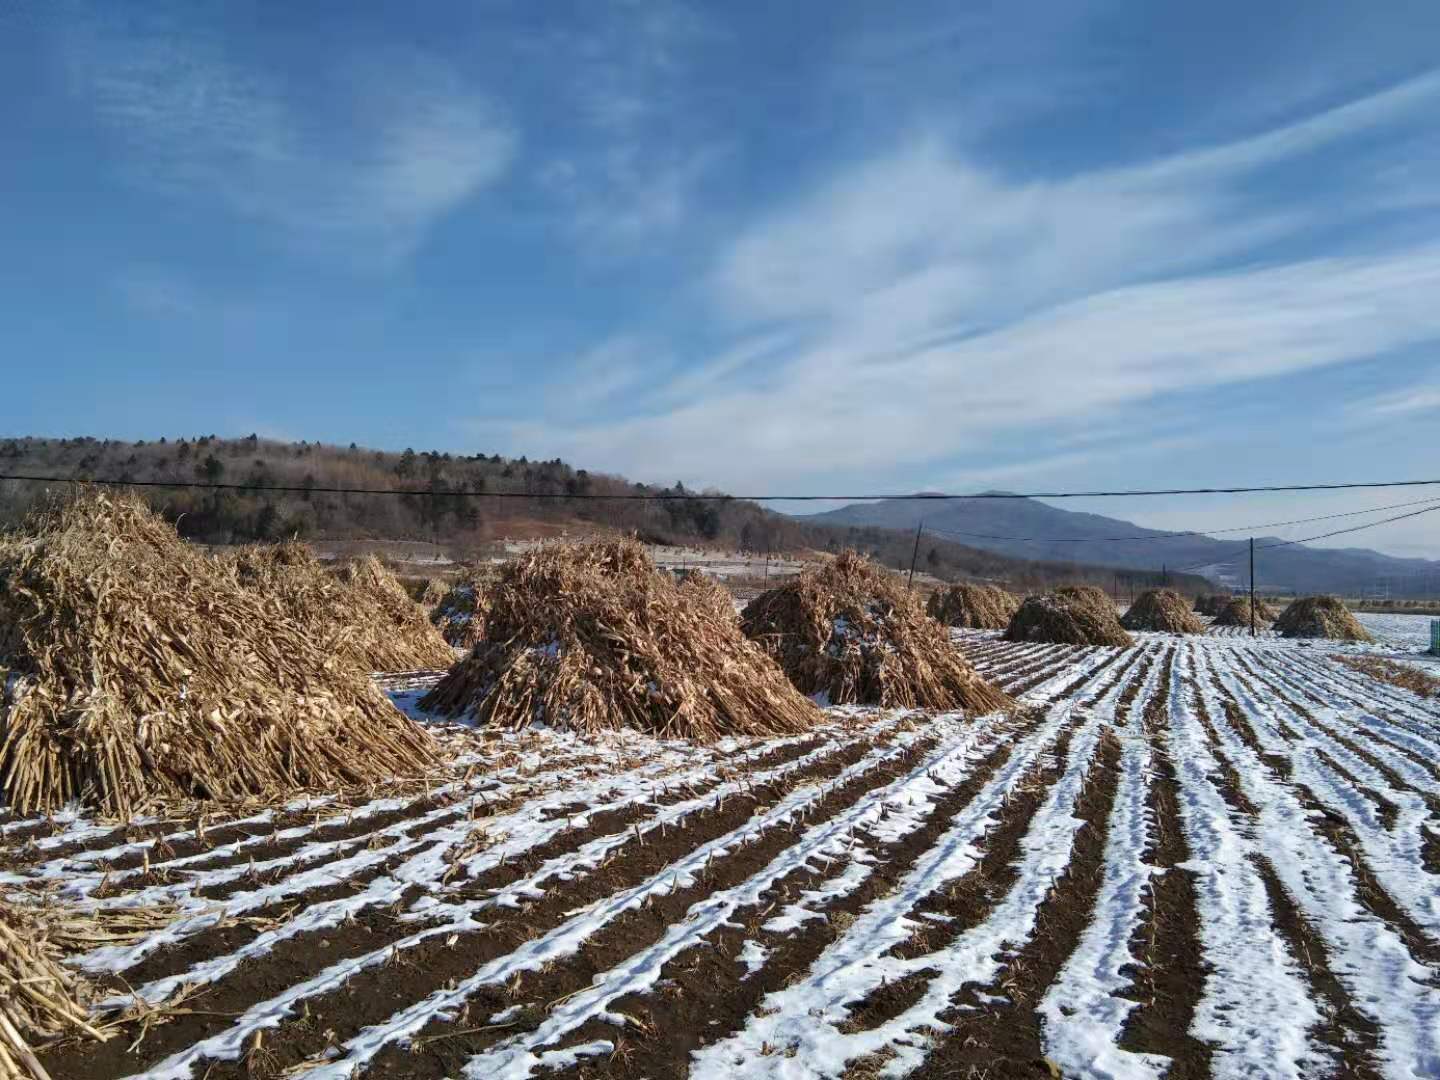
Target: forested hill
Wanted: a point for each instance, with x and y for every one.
(546, 500)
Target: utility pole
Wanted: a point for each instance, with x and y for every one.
(914, 555)
(1252, 586)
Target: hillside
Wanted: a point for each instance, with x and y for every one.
(542, 499)
(1295, 568)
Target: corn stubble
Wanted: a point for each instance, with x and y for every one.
(851, 631)
(138, 669)
(591, 636)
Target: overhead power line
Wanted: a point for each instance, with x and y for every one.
(1309, 539)
(663, 496)
(1179, 534)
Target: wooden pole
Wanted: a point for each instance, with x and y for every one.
(910, 581)
(1252, 586)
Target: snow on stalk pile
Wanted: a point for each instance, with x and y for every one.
(539, 908)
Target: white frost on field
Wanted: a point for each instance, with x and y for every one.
(1410, 632)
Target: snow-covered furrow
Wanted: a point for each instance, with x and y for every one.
(1083, 1014)
(559, 943)
(1395, 855)
(802, 1030)
(1085, 663)
(890, 813)
(1016, 659)
(1370, 959)
(1256, 1009)
(430, 854)
(1382, 739)
(1335, 682)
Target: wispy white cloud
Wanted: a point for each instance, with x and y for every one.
(1424, 397)
(365, 168)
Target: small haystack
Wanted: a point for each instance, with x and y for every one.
(1320, 617)
(979, 607)
(362, 615)
(591, 636)
(1237, 613)
(460, 614)
(851, 632)
(135, 668)
(709, 592)
(1071, 615)
(1162, 611)
(1212, 603)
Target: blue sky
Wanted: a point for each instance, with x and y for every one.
(799, 247)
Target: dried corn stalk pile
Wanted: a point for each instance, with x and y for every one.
(39, 998)
(1071, 615)
(1320, 617)
(135, 668)
(591, 636)
(433, 593)
(850, 631)
(1237, 613)
(460, 613)
(979, 607)
(1212, 604)
(362, 614)
(1163, 611)
(706, 590)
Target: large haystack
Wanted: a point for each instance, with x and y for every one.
(460, 614)
(1237, 613)
(850, 631)
(1071, 615)
(1212, 603)
(1162, 611)
(979, 607)
(136, 668)
(362, 614)
(1320, 617)
(592, 636)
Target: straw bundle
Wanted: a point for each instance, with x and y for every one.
(433, 592)
(362, 614)
(1320, 617)
(1237, 613)
(1164, 611)
(850, 631)
(980, 607)
(460, 614)
(135, 668)
(1071, 615)
(591, 636)
(39, 998)
(709, 592)
(1211, 603)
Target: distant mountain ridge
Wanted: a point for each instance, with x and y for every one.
(995, 524)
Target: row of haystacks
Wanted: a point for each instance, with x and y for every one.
(1320, 617)
(137, 669)
(590, 637)
(976, 607)
(1237, 613)
(1212, 604)
(850, 632)
(1162, 611)
(1069, 615)
(361, 613)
